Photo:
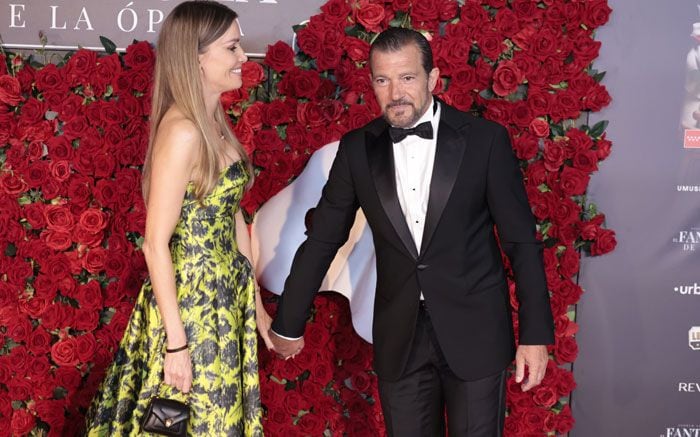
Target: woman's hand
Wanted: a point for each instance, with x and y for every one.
(262, 319)
(177, 370)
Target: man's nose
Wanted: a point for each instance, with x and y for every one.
(396, 92)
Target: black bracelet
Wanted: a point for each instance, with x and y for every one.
(177, 349)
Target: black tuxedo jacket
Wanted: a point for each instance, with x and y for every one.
(476, 184)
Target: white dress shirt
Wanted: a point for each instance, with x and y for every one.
(413, 163)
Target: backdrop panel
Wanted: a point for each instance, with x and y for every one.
(637, 373)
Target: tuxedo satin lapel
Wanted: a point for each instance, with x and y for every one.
(381, 162)
(448, 158)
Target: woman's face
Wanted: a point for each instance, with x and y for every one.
(221, 62)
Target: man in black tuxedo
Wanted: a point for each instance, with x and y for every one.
(432, 182)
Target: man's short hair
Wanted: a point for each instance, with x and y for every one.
(395, 38)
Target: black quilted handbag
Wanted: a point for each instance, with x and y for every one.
(166, 417)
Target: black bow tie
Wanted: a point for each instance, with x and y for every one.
(423, 130)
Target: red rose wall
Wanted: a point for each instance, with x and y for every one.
(73, 137)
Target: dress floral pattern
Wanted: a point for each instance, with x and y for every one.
(216, 296)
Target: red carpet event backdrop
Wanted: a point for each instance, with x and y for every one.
(73, 134)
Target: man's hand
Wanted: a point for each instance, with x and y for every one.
(285, 348)
(535, 357)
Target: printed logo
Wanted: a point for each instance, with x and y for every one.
(694, 338)
(682, 431)
(689, 240)
(691, 139)
(688, 188)
(687, 290)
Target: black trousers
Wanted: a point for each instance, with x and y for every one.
(416, 404)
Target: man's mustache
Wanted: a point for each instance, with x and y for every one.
(398, 103)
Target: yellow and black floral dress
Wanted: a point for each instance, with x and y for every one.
(216, 297)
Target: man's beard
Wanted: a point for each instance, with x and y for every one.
(413, 118)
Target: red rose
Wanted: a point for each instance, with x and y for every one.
(64, 352)
(506, 78)
(57, 316)
(358, 115)
(459, 98)
(544, 43)
(296, 136)
(20, 329)
(86, 346)
(140, 56)
(565, 350)
(499, 111)
(80, 189)
(22, 422)
(312, 424)
(328, 58)
(310, 41)
(68, 377)
(603, 147)
(539, 127)
(605, 242)
(33, 111)
(564, 421)
(310, 114)
(18, 271)
(252, 74)
(545, 396)
(107, 70)
(491, 44)
(106, 192)
(275, 113)
(80, 66)
(596, 98)
(300, 83)
(357, 49)
(565, 211)
(268, 139)
(58, 217)
(280, 56)
(94, 260)
(51, 411)
(573, 181)
(86, 319)
(553, 155)
(569, 262)
(57, 240)
(596, 14)
(39, 342)
(33, 213)
(116, 262)
(370, 15)
(10, 90)
(90, 295)
(335, 11)
(12, 184)
(93, 220)
(586, 161)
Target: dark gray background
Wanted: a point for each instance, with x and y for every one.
(633, 339)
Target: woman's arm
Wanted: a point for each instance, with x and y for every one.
(175, 149)
(263, 320)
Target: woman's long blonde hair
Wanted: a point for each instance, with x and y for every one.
(187, 32)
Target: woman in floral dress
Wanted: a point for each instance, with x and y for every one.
(192, 332)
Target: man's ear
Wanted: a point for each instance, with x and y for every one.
(433, 77)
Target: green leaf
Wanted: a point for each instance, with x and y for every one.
(10, 250)
(598, 129)
(557, 130)
(109, 46)
(599, 76)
